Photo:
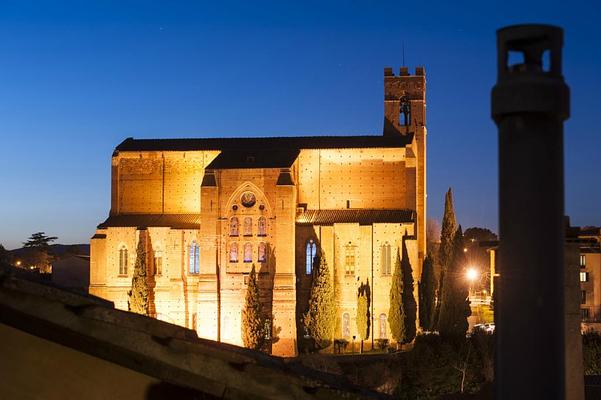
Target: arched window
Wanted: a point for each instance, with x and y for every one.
(310, 252)
(194, 254)
(158, 262)
(248, 226)
(248, 252)
(346, 325)
(349, 259)
(383, 322)
(262, 226)
(234, 252)
(261, 256)
(122, 260)
(234, 226)
(386, 259)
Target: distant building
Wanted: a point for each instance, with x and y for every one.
(214, 207)
(582, 248)
(589, 244)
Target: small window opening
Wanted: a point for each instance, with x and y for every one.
(515, 60)
(546, 61)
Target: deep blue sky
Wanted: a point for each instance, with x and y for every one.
(76, 78)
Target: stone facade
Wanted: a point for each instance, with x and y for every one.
(214, 207)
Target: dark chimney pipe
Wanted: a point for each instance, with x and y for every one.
(529, 104)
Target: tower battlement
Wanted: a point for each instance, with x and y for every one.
(404, 100)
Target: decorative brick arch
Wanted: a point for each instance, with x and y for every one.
(249, 187)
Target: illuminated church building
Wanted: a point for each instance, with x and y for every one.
(208, 209)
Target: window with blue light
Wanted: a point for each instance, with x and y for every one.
(310, 253)
(194, 258)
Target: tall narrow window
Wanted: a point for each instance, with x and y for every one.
(158, 262)
(583, 297)
(383, 321)
(386, 260)
(310, 252)
(234, 226)
(584, 277)
(123, 260)
(194, 254)
(346, 325)
(582, 260)
(349, 259)
(267, 327)
(234, 252)
(262, 226)
(248, 252)
(261, 256)
(248, 226)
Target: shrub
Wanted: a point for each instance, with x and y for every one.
(591, 352)
(381, 344)
(340, 345)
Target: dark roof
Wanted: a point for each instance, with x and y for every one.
(272, 158)
(177, 221)
(260, 143)
(363, 217)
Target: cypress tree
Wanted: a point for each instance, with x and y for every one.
(253, 323)
(138, 301)
(396, 312)
(320, 319)
(447, 235)
(426, 294)
(362, 314)
(455, 305)
(409, 304)
(445, 251)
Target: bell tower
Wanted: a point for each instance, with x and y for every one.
(404, 101)
(405, 115)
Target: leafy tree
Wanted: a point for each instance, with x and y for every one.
(39, 240)
(396, 312)
(426, 294)
(138, 301)
(363, 313)
(455, 304)
(445, 250)
(253, 320)
(320, 319)
(409, 304)
(591, 349)
(38, 251)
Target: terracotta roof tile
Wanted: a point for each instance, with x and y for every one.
(361, 216)
(177, 221)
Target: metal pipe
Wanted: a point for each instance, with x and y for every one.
(529, 104)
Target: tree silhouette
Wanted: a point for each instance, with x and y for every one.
(253, 320)
(320, 319)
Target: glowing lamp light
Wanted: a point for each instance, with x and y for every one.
(472, 274)
(18, 263)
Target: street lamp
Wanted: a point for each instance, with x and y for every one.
(472, 274)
